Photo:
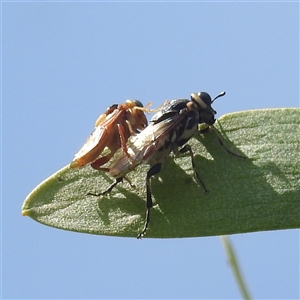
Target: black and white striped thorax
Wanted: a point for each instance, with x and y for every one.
(189, 114)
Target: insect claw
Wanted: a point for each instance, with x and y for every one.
(140, 235)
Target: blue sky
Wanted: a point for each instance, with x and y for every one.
(63, 64)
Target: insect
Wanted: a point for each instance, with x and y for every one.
(169, 131)
(112, 130)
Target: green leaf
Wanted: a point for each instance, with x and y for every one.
(245, 195)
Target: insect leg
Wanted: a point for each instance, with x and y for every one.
(132, 132)
(149, 203)
(123, 139)
(187, 148)
(121, 131)
(108, 190)
(102, 160)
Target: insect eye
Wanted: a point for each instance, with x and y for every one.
(205, 97)
(202, 99)
(135, 103)
(138, 103)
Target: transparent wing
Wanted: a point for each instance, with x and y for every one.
(142, 147)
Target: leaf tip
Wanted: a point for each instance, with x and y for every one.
(25, 212)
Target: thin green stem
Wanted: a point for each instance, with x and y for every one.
(232, 259)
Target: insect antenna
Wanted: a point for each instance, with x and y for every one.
(220, 95)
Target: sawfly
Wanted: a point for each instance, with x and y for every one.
(112, 130)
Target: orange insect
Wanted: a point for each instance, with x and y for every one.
(112, 130)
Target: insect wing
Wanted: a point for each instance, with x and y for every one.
(97, 141)
(169, 110)
(144, 146)
(152, 140)
(92, 148)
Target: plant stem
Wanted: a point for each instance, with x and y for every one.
(234, 266)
